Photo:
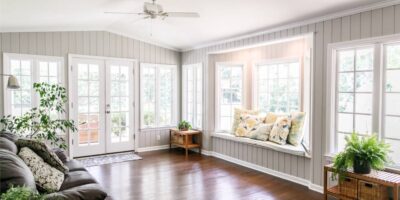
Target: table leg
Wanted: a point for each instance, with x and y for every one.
(325, 183)
(200, 142)
(170, 140)
(396, 192)
(186, 145)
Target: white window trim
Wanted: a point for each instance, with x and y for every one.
(217, 86)
(174, 109)
(34, 75)
(184, 95)
(259, 63)
(378, 89)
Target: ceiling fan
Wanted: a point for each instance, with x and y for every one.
(154, 11)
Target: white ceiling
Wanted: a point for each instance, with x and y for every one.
(219, 19)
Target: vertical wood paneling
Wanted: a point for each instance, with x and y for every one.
(388, 20)
(366, 24)
(95, 43)
(397, 18)
(376, 22)
(355, 24)
(345, 28)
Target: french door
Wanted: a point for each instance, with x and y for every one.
(102, 105)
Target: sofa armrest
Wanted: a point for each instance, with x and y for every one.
(61, 154)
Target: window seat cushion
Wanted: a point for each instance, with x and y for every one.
(285, 148)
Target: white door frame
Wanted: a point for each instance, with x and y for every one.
(134, 121)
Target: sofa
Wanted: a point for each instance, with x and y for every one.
(78, 183)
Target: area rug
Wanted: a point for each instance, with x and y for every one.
(109, 158)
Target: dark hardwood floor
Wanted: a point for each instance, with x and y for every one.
(168, 175)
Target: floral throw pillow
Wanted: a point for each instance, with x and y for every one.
(43, 151)
(247, 124)
(280, 131)
(262, 132)
(238, 112)
(46, 177)
(296, 129)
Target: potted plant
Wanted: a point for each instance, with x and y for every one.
(184, 125)
(362, 154)
(43, 123)
(21, 193)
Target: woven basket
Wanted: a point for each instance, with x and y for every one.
(348, 187)
(371, 191)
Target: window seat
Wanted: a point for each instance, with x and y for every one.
(286, 148)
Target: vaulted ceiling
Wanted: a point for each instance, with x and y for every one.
(219, 19)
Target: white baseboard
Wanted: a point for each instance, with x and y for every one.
(153, 148)
(301, 181)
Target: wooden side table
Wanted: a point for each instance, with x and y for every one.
(184, 139)
(381, 178)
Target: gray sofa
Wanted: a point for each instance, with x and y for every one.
(78, 183)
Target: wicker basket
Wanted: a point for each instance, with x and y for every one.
(348, 187)
(180, 139)
(371, 191)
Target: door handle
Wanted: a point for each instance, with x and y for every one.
(107, 112)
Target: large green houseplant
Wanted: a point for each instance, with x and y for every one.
(362, 154)
(44, 123)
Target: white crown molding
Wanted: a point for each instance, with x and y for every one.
(357, 10)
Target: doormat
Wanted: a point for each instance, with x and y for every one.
(108, 159)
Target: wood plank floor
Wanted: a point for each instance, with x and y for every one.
(168, 175)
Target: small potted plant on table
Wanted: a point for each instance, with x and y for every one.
(362, 154)
(184, 126)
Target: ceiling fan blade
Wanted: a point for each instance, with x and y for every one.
(124, 13)
(182, 14)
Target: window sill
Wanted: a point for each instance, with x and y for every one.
(287, 148)
(156, 128)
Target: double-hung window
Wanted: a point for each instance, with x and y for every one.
(192, 94)
(277, 86)
(29, 69)
(158, 95)
(364, 92)
(229, 93)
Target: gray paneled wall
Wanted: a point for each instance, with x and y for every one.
(378, 22)
(94, 43)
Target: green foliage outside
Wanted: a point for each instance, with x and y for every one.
(43, 123)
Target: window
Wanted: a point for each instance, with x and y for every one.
(229, 93)
(277, 86)
(158, 95)
(364, 92)
(354, 92)
(192, 94)
(29, 69)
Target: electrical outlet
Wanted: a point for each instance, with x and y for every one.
(158, 137)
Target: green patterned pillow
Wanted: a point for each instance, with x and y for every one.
(46, 177)
(43, 151)
(262, 132)
(296, 129)
(280, 131)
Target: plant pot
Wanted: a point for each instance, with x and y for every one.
(361, 166)
(183, 129)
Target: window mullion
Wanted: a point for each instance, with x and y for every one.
(157, 94)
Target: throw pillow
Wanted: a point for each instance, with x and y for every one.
(61, 154)
(43, 151)
(280, 131)
(236, 117)
(272, 117)
(247, 123)
(296, 128)
(262, 132)
(46, 177)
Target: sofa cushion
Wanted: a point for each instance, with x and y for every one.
(9, 136)
(88, 192)
(43, 151)
(75, 165)
(13, 171)
(46, 177)
(261, 132)
(76, 178)
(8, 145)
